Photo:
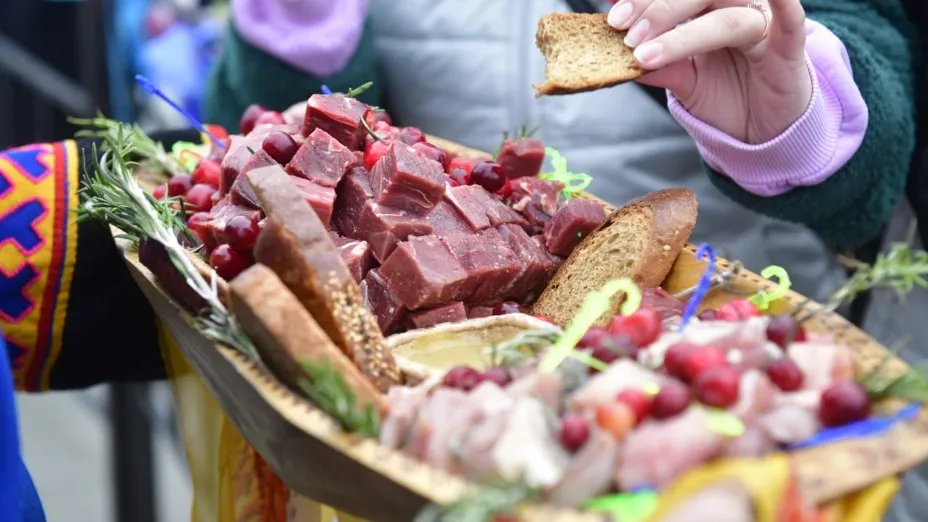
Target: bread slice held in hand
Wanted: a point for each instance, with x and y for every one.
(639, 241)
(582, 53)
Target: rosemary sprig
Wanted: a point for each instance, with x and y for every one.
(329, 391)
(523, 132)
(485, 505)
(911, 385)
(145, 147)
(524, 345)
(114, 196)
(354, 92)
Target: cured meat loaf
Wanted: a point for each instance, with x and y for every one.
(297, 247)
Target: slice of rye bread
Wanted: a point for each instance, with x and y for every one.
(297, 247)
(287, 335)
(640, 241)
(582, 53)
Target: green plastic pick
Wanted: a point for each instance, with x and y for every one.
(594, 306)
(573, 181)
(764, 299)
(627, 507)
(724, 423)
(187, 154)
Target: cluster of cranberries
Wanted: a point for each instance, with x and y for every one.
(461, 171)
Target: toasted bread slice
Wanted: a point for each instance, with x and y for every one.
(287, 335)
(582, 53)
(297, 247)
(640, 241)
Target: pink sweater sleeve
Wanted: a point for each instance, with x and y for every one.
(814, 147)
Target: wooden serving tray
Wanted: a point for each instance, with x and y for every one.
(316, 459)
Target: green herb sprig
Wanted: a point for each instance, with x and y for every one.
(910, 385)
(142, 145)
(489, 502)
(523, 132)
(329, 391)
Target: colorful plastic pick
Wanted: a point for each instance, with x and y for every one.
(154, 91)
(594, 306)
(573, 181)
(636, 506)
(187, 154)
(865, 428)
(705, 283)
(326, 90)
(724, 423)
(764, 299)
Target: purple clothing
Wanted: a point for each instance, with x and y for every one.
(318, 37)
(813, 148)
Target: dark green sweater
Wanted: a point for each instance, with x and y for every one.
(848, 209)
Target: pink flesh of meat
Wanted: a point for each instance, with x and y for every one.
(404, 406)
(756, 395)
(822, 363)
(789, 424)
(470, 447)
(589, 473)
(528, 449)
(603, 387)
(753, 443)
(546, 387)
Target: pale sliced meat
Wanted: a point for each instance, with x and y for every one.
(604, 386)
(528, 451)
(546, 387)
(756, 395)
(790, 424)
(822, 362)
(404, 408)
(590, 472)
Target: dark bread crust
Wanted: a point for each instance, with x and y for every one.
(297, 247)
(286, 334)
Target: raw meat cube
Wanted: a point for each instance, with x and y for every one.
(571, 223)
(476, 312)
(322, 159)
(537, 265)
(535, 199)
(421, 272)
(338, 115)
(491, 266)
(352, 194)
(452, 312)
(447, 221)
(388, 311)
(242, 194)
(522, 157)
(383, 227)
(357, 255)
(480, 209)
(321, 198)
(403, 179)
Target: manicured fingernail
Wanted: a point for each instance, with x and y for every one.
(649, 52)
(620, 15)
(637, 33)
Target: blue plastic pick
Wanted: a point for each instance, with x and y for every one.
(865, 428)
(705, 283)
(326, 90)
(154, 91)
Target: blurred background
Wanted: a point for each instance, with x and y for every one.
(109, 454)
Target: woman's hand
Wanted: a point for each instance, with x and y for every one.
(737, 65)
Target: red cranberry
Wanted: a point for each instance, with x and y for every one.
(613, 347)
(702, 360)
(280, 146)
(250, 118)
(374, 152)
(179, 185)
(498, 375)
(505, 191)
(199, 198)
(784, 327)
(718, 386)
(241, 233)
(159, 191)
(643, 327)
(272, 117)
(460, 163)
(427, 150)
(670, 401)
(575, 431)
(382, 116)
(227, 262)
(637, 400)
(708, 315)
(207, 173)
(842, 403)
(786, 374)
(508, 307)
(675, 358)
(458, 177)
(197, 224)
(489, 175)
(462, 378)
(411, 135)
(592, 338)
(737, 310)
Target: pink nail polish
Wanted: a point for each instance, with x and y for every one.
(649, 52)
(637, 33)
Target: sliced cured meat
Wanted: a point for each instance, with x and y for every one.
(405, 180)
(535, 199)
(666, 305)
(404, 409)
(571, 223)
(527, 451)
(603, 387)
(422, 272)
(522, 157)
(322, 159)
(538, 267)
(388, 311)
(383, 227)
(321, 198)
(590, 472)
(480, 209)
(452, 312)
(447, 221)
(351, 195)
(339, 116)
(491, 266)
(822, 362)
